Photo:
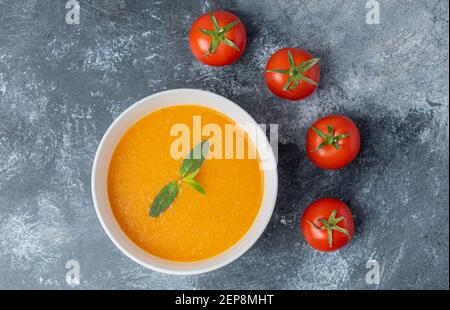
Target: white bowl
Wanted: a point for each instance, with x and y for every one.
(106, 149)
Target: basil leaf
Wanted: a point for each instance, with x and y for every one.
(164, 199)
(195, 158)
(195, 185)
(192, 175)
(188, 171)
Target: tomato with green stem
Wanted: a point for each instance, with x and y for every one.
(333, 142)
(292, 73)
(327, 224)
(218, 38)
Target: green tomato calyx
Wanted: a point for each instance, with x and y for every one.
(329, 138)
(296, 73)
(218, 35)
(329, 225)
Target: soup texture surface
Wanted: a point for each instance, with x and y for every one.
(195, 226)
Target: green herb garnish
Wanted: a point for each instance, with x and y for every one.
(188, 171)
(164, 198)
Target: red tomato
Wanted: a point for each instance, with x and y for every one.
(218, 38)
(327, 224)
(292, 73)
(333, 142)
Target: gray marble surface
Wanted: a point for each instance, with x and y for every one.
(62, 85)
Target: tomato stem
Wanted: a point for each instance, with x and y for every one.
(296, 73)
(329, 138)
(218, 35)
(329, 225)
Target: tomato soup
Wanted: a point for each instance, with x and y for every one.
(195, 226)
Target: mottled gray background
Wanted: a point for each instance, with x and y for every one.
(62, 85)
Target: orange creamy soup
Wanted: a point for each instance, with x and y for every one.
(195, 226)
